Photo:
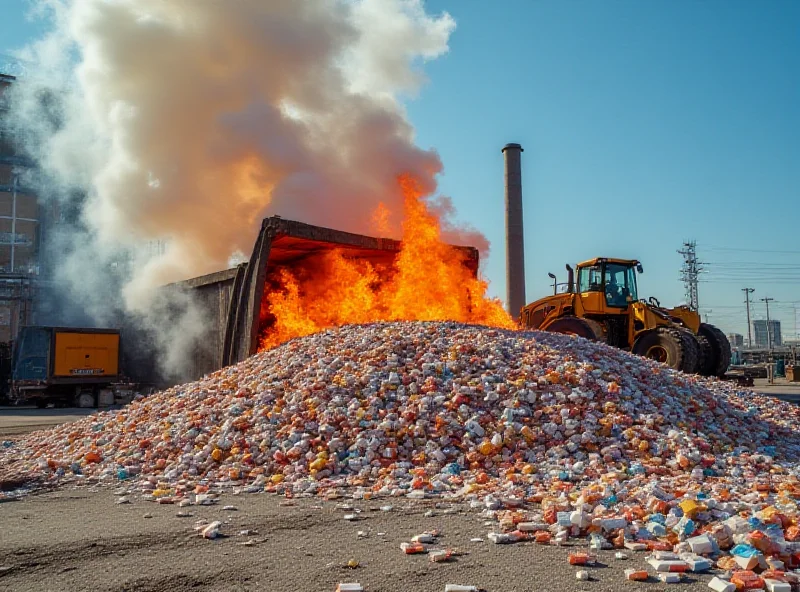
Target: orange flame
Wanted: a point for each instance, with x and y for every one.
(428, 281)
(380, 220)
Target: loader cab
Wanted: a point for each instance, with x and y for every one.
(607, 285)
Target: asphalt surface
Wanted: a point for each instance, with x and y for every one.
(80, 539)
(21, 420)
(779, 388)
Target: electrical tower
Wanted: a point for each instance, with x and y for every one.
(690, 273)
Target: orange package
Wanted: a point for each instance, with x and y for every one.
(580, 558)
(774, 574)
(747, 580)
(792, 533)
(726, 562)
(412, 548)
(760, 541)
(636, 575)
(658, 545)
(542, 537)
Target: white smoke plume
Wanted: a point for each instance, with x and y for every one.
(189, 121)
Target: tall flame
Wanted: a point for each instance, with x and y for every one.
(428, 281)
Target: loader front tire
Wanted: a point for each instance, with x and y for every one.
(665, 345)
(573, 326)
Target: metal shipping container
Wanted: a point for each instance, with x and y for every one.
(231, 299)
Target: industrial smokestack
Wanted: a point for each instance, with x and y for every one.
(515, 240)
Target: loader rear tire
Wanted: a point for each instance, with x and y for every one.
(665, 345)
(717, 350)
(573, 326)
(691, 352)
(705, 368)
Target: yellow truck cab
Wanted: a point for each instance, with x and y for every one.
(65, 366)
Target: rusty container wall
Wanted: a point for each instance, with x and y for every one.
(231, 299)
(142, 354)
(212, 295)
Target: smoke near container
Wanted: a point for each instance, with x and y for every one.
(189, 121)
(515, 238)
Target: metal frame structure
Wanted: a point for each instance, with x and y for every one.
(18, 287)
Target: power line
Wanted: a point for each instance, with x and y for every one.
(732, 265)
(759, 264)
(730, 271)
(740, 250)
(738, 280)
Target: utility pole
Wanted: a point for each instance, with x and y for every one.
(690, 272)
(747, 292)
(769, 331)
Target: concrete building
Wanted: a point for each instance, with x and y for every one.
(766, 336)
(736, 340)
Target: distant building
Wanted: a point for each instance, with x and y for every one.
(20, 229)
(765, 336)
(736, 340)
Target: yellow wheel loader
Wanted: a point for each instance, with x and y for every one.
(604, 306)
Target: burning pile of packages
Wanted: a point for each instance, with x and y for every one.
(587, 439)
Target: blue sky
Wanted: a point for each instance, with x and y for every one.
(16, 29)
(644, 124)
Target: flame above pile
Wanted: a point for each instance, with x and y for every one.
(428, 281)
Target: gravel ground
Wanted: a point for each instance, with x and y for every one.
(79, 539)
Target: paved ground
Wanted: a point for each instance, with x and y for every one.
(80, 539)
(20, 420)
(788, 391)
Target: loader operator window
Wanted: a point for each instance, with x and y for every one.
(620, 286)
(590, 279)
